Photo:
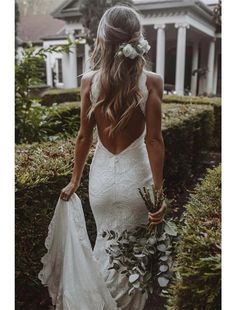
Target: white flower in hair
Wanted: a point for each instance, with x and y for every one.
(143, 46)
(132, 51)
(129, 51)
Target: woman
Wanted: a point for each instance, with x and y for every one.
(123, 101)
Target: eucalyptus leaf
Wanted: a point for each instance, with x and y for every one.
(133, 277)
(163, 268)
(163, 282)
(139, 255)
(164, 258)
(136, 284)
(143, 241)
(170, 228)
(152, 240)
(161, 247)
(162, 237)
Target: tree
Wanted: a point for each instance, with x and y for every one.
(17, 19)
(28, 72)
(34, 7)
(217, 16)
(92, 11)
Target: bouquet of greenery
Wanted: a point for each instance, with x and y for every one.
(144, 254)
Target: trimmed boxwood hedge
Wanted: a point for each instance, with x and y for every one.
(186, 130)
(215, 102)
(197, 284)
(51, 123)
(43, 169)
(61, 120)
(51, 96)
(192, 100)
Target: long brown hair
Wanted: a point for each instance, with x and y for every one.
(119, 75)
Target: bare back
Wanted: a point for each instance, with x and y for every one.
(136, 125)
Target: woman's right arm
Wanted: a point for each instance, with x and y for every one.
(154, 139)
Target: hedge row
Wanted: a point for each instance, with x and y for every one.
(51, 96)
(215, 102)
(42, 169)
(62, 120)
(59, 121)
(192, 100)
(187, 130)
(49, 123)
(197, 284)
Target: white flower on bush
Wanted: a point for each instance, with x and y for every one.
(129, 51)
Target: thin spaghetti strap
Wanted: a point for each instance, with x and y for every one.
(144, 90)
(94, 88)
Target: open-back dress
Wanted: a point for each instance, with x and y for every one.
(116, 204)
(78, 277)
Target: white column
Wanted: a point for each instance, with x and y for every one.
(180, 58)
(211, 60)
(49, 70)
(194, 67)
(73, 62)
(65, 70)
(215, 78)
(86, 57)
(160, 52)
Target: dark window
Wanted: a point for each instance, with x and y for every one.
(59, 68)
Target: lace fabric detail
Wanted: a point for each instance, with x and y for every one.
(114, 180)
(95, 89)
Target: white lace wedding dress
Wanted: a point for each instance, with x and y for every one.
(77, 277)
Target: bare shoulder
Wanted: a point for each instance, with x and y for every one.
(86, 80)
(88, 75)
(154, 79)
(154, 83)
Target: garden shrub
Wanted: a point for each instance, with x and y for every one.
(43, 169)
(51, 96)
(197, 284)
(187, 132)
(192, 100)
(61, 120)
(217, 127)
(50, 123)
(215, 102)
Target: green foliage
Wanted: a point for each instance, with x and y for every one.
(217, 16)
(52, 123)
(17, 19)
(144, 254)
(61, 121)
(28, 72)
(92, 11)
(42, 170)
(52, 96)
(198, 265)
(215, 102)
(217, 127)
(187, 131)
(192, 100)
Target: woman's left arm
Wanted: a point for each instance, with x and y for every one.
(83, 140)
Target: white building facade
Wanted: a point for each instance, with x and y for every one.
(185, 49)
